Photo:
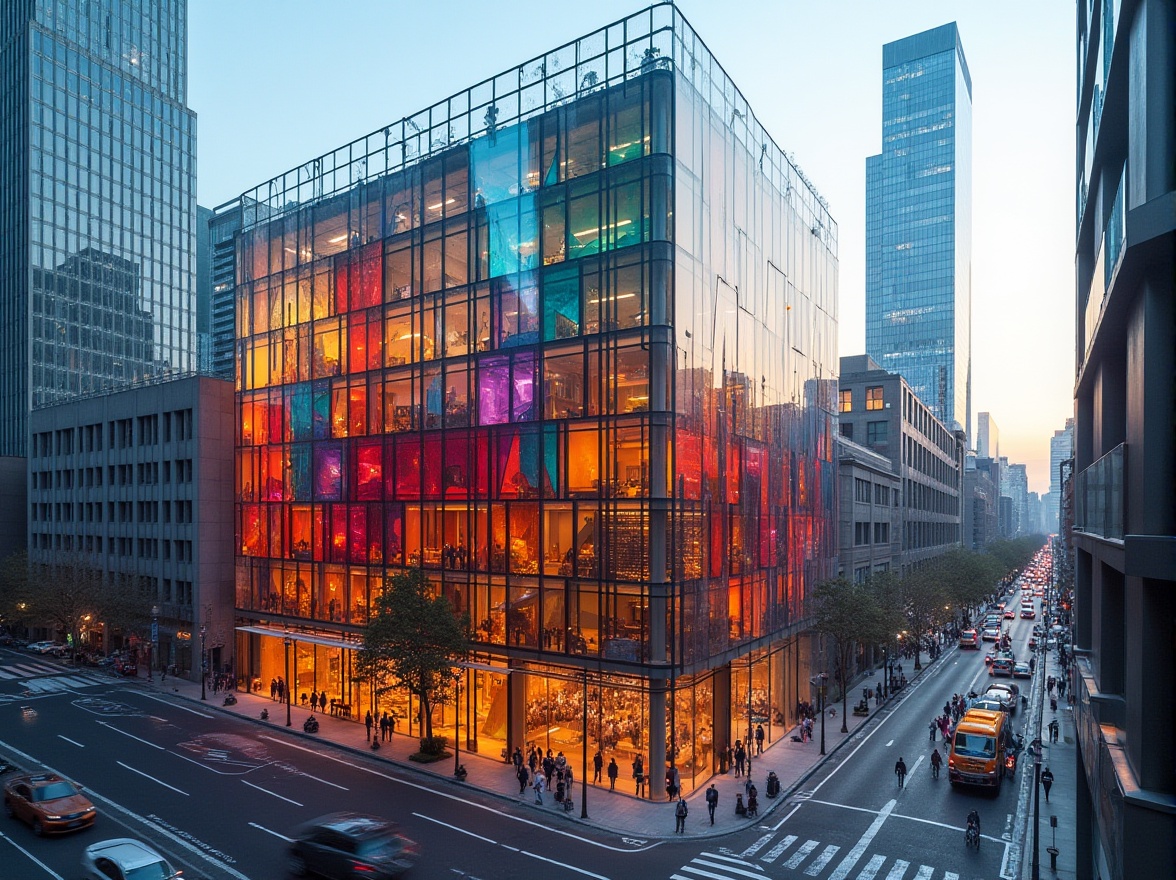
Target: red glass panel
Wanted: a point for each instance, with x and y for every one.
(375, 534)
(357, 533)
(369, 471)
(252, 543)
(481, 466)
(432, 461)
(394, 529)
(357, 412)
(342, 283)
(734, 471)
(337, 550)
(688, 461)
(368, 276)
(408, 468)
(456, 474)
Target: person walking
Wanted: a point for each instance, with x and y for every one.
(740, 758)
(367, 722)
(639, 779)
(680, 813)
(933, 726)
(523, 777)
(936, 763)
(539, 786)
(1047, 781)
(516, 758)
(597, 766)
(568, 778)
(712, 801)
(900, 769)
(759, 739)
(613, 772)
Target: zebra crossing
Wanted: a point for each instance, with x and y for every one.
(808, 858)
(40, 677)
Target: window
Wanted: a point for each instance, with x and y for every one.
(881, 533)
(861, 490)
(847, 430)
(874, 398)
(845, 400)
(861, 533)
(876, 432)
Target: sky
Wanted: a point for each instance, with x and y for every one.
(276, 83)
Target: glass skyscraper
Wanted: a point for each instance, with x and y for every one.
(919, 223)
(566, 340)
(97, 201)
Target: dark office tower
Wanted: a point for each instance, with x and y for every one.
(97, 201)
(919, 223)
(1121, 521)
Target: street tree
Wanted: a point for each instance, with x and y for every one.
(14, 590)
(413, 641)
(63, 591)
(922, 601)
(849, 614)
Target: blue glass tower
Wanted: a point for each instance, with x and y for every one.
(919, 223)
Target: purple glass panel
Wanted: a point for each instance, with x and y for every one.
(523, 404)
(493, 391)
(328, 473)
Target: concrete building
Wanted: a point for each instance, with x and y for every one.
(981, 503)
(1018, 492)
(513, 343)
(869, 512)
(1124, 445)
(987, 436)
(223, 226)
(919, 224)
(880, 411)
(1061, 448)
(137, 484)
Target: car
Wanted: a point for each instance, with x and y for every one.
(1022, 670)
(1009, 614)
(1007, 701)
(1027, 613)
(1002, 664)
(990, 703)
(969, 639)
(124, 858)
(49, 803)
(350, 845)
(1001, 604)
(990, 634)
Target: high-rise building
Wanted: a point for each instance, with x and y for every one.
(97, 201)
(1124, 526)
(919, 223)
(987, 436)
(533, 341)
(1061, 448)
(1018, 491)
(217, 285)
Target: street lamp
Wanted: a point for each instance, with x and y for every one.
(456, 721)
(747, 745)
(286, 643)
(584, 755)
(203, 671)
(824, 677)
(154, 640)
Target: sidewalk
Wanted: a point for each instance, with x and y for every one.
(618, 811)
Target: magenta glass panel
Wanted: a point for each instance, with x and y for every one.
(523, 381)
(328, 472)
(337, 546)
(408, 468)
(369, 471)
(432, 462)
(493, 390)
(357, 533)
(456, 474)
(394, 529)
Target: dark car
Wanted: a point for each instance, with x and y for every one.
(48, 803)
(345, 845)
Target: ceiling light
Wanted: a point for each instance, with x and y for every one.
(594, 231)
(592, 302)
(337, 239)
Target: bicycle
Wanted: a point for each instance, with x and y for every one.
(972, 837)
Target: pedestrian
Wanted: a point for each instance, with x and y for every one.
(1047, 781)
(568, 778)
(548, 768)
(522, 776)
(1053, 703)
(712, 801)
(560, 790)
(613, 772)
(933, 726)
(273, 689)
(1061, 687)
(900, 770)
(367, 722)
(539, 785)
(759, 739)
(597, 766)
(639, 779)
(680, 813)
(533, 760)
(671, 791)
(740, 758)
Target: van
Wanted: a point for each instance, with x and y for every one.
(978, 746)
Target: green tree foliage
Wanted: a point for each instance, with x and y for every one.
(412, 641)
(850, 614)
(14, 591)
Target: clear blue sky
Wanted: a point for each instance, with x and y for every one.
(279, 82)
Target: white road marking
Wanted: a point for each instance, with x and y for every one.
(466, 801)
(455, 828)
(778, 850)
(871, 868)
(272, 794)
(776, 827)
(907, 818)
(898, 870)
(925, 872)
(274, 833)
(755, 875)
(859, 849)
(324, 781)
(735, 860)
(948, 875)
(175, 705)
(917, 763)
(68, 740)
(889, 744)
(132, 736)
(801, 854)
(702, 873)
(757, 846)
(153, 779)
(823, 859)
(562, 865)
(47, 869)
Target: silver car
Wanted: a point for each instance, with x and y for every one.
(125, 859)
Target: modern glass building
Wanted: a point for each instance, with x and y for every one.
(919, 223)
(97, 202)
(567, 341)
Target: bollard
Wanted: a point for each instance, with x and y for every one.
(1053, 857)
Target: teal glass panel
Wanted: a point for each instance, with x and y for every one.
(299, 479)
(561, 303)
(551, 461)
(498, 161)
(514, 236)
(321, 404)
(584, 226)
(628, 225)
(300, 412)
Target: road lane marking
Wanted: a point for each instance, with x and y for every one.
(948, 875)
(46, 868)
(859, 849)
(947, 825)
(455, 828)
(272, 793)
(274, 833)
(466, 801)
(735, 860)
(823, 859)
(872, 867)
(917, 763)
(755, 875)
(776, 827)
(778, 850)
(152, 778)
(132, 736)
(68, 740)
(702, 873)
(889, 744)
(562, 864)
(175, 705)
(898, 870)
(801, 854)
(324, 781)
(925, 872)
(757, 846)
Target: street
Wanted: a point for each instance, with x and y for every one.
(220, 795)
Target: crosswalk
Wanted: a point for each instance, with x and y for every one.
(40, 677)
(810, 858)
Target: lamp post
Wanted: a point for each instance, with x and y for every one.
(747, 746)
(203, 673)
(286, 643)
(456, 721)
(824, 677)
(154, 640)
(584, 755)
(1036, 808)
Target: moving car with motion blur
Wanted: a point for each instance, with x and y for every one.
(969, 639)
(346, 845)
(48, 803)
(1022, 670)
(124, 858)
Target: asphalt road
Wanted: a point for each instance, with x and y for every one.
(219, 796)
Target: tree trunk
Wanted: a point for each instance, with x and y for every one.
(426, 715)
(845, 689)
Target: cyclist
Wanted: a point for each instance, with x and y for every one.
(974, 820)
(900, 769)
(936, 763)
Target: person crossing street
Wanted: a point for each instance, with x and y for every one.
(900, 770)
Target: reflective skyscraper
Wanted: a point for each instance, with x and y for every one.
(919, 223)
(97, 201)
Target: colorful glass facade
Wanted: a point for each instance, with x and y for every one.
(567, 341)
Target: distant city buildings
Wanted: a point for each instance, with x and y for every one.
(980, 504)
(987, 436)
(919, 224)
(869, 512)
(1061, 449)
(218, 285)
(1124, 448)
